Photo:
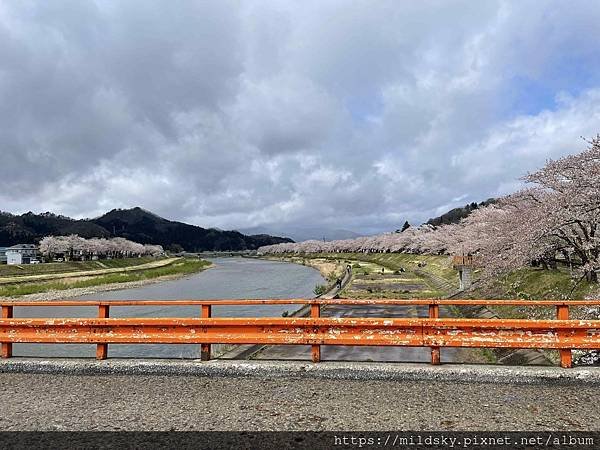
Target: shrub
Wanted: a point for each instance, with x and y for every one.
(320, 289)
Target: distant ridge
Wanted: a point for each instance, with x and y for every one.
(300, 233)
(136, 224)
(455, 215)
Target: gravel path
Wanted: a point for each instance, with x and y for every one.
(64, 294)
(70, 402)
(86, 273)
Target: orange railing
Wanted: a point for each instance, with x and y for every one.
(561, 334)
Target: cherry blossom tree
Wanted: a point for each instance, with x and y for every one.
(567, 192)
(75, 246)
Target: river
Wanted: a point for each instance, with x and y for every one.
(229, 278)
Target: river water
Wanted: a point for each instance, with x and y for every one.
(230, 278)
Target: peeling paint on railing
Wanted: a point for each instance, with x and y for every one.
(562, 334)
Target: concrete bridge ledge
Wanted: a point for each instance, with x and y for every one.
(302, 369)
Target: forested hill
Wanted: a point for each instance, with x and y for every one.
(135, 224)
(456, 214)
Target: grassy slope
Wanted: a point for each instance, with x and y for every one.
(179, 267)
(526, 283)
(537, 284)
(71, 266)
(534, 283)
(371, 263)
(435, 265)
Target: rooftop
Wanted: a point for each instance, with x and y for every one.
(22, 246)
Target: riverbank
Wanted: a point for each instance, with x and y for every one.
(86, 283)
(401, 276)
(21, 270)
(69, 272)
(384, 275)
(369, 278)
(331, 270)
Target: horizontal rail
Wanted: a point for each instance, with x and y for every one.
(419, 332)
(561, 334)
(232, 302)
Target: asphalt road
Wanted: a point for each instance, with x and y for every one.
(83, 402)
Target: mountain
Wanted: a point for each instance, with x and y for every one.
(456, 214)
(29, 228)
(299, 233)
(135, 224)
(145, 227)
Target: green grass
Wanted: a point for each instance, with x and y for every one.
(370, 264)
(530, 283)
(440, 266)
(537, 284)
(436, 266)
(320, 289)
(182, 267)
(526, 283)
(70, 266)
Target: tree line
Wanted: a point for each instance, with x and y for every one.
(75, 247)
(554, 218)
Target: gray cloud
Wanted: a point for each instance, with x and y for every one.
(235, 114)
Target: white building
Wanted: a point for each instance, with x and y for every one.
(21, 254)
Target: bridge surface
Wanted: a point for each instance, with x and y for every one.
(301, 400)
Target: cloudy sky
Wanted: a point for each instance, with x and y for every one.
(355, 114)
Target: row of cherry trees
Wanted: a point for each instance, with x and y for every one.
(555, 218)
(76, 247)
(413, 240)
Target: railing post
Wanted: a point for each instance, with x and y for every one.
(205, 348)
(434, 313)
(7, 313)
(102, 349)
(315, 313)
(566, 357)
